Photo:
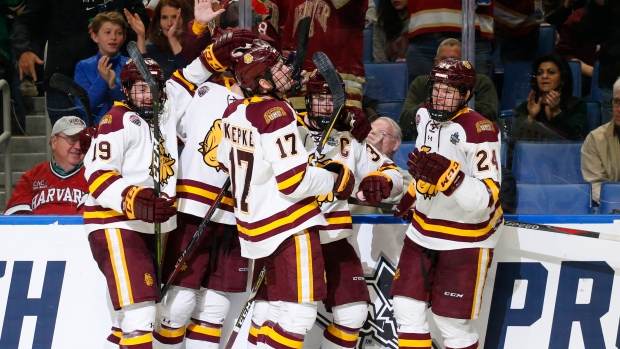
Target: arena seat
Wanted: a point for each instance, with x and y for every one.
(386, 82)
(559, 199)
(367, 56)
(610, 197)
(547, 162)
(594, 117)
(504, 153)
(575, 68)
(390, 109)
(400, 157)
(516, 83)
(595, 90)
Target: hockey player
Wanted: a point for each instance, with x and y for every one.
(200, 292)
(456, 214)
(274, 190)
(122, 206)
(378, 179)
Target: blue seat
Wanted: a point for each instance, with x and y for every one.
(400, 158)
(575, 68)
(595, 90)
(594, 117)
(610, 197)
(390, 109)
(546, 40)
(547, 162)
(503, 153)
(367, 56)
(386, 82)
(516, 83)
(558, 199)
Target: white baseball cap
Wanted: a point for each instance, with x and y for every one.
(69, 125)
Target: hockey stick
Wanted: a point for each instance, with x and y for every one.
(245, 309)
(302, 50)
(70, 87)
(137, 58)
(517, 224)
(325, 66)
(197, 234)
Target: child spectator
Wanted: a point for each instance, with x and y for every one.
(100, 74)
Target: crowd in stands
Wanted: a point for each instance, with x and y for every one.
(554, 101)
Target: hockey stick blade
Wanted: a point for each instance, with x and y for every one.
(190, 246)
(245, 309)
(302, 46)
(325, 66)
(68, 86)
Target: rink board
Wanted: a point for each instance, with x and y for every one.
(554, 290)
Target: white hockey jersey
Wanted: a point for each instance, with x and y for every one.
(121, 155)
(273, 186)
(361, 158)
(199, 126)
(472, 215)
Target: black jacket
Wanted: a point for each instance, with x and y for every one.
(601, 25)
(64, 25)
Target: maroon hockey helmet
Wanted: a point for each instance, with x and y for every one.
(255, 64)
(130, 74)
(317, 85)
(458, 74)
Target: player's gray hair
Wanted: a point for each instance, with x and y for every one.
(616, 86)
(448, 42)
(398, 133)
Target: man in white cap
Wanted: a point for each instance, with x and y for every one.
(57, 186)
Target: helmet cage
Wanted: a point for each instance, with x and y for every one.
(459, 75)
(130, 75)
(317, 88)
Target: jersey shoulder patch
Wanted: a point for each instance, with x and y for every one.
(270, 115)
(478, 129)
(113, 120)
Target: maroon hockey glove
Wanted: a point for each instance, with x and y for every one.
(404, 209)
(141, 203)
(227, 49)
(343, 187)
(355, 121)
(436, 169)
(376, 186)
(86, 136)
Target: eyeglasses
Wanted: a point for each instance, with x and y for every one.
(387, 134)
(70, 141)
(615, 102)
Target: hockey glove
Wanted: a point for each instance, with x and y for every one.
(376, 186)
(404, 209)
(435, 169)
(343, 187)
(141, 203)
(85, 137)
(227, 49)
(355, 121)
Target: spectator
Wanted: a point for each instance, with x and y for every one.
(57, 186)
(386, 137)
(599, 25)
(99, 75)
(431, 22)
(371, 14)
(174, 38)
(600, 153)
(64, 25)
(389, 41)
(571, 46)
(485, 103)
(551, 103)
(339, 25)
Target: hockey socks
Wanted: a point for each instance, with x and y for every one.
(337, 336)
(278, 338)
(137, 340)
(169, 337)
(203, 335)
(114, 338)
(414, 340)
(473, 346)
(253, 335)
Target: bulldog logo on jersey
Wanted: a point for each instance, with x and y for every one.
(148, 279)
(208, 147)
(164, 164)
(321, 199)
(426, 189)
